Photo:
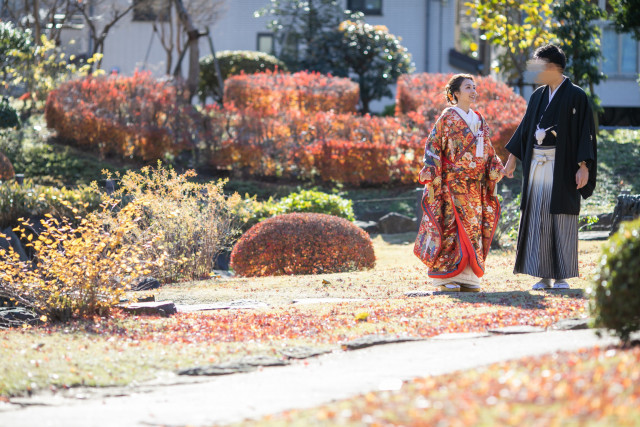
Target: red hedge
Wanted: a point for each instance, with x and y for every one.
(131, 117)
(345, 148)
(270, 93)
(302, 243)
(420, 97)
(296, 126)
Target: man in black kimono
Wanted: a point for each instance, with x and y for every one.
(556, 142)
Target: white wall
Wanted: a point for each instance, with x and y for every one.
(619, 93)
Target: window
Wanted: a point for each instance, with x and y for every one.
(151, 10)
(368, 7)
(265, 43)
(620, 54)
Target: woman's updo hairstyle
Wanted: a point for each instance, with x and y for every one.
(453, 86)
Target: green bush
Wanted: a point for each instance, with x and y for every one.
(305, 201)
(30, 200)
(30, 150)
(233, 62)
(316, 202)
(615, 302)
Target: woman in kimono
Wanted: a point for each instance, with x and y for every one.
(461, 209)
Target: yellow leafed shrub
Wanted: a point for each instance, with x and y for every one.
(158, 223)
(79, 270)
(196, 220)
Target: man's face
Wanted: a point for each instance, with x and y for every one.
(545, 72)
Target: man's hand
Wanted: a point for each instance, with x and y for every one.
(510, 167)
(582, 176)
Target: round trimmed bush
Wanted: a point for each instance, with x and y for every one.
(615, 301)
(302, 243)
(231, 63)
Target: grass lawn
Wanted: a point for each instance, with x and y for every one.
(591, 387)
(618, 169)
(121, 350)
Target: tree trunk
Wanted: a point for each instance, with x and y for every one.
(193, 35)
(37, 26)
(217, 68)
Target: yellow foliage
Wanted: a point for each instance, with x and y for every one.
(158, 222)
(196, 220)
(78, 271)
(43, 68)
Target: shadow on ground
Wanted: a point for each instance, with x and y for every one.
(521, 299)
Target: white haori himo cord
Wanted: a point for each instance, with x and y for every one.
(541, 133)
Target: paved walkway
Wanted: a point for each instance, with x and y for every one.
(232, 398)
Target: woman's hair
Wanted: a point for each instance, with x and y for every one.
(453, 86)
(551, 54)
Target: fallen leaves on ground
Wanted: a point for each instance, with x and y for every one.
(597, 386)
(137, 348)
(331, 323)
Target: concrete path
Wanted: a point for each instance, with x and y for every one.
(232, 398)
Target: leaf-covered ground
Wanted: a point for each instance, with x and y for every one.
(591, 387)
(120, 350)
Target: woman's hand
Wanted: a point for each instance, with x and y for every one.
(510, 167)
(422, 177)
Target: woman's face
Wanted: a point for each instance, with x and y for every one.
(467, 94)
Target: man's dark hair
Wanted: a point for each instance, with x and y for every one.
(551, 54)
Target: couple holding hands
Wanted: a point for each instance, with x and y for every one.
(556, 145)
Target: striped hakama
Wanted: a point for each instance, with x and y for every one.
(547, 244)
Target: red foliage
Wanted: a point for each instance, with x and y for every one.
(270, 93)
(590, 386)
(6, 168)
(297, 126)
(345, 148)
(331, 324)
(420, 97)
(302, 243)
(271, 136)
(137, 116)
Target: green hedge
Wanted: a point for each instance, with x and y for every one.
(305, 201)
(233, 62)
(615, 302)
(29, 200)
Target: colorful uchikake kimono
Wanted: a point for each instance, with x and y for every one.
(461, 209)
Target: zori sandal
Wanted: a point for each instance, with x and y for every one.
(449, 287)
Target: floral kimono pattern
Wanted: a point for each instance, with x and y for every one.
(461, 211)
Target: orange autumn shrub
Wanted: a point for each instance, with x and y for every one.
(420, 98)
(137, 117)
(264, 130)
(272, 92)
(302, 243)
(325, 146)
